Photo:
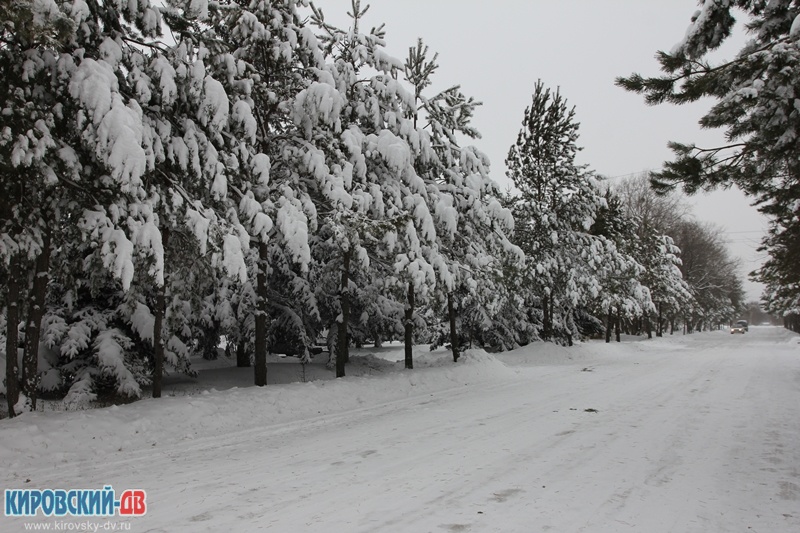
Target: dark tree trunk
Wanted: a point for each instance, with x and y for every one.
(158, 343)
(342, 342)
(616, 326)
(547, 319)
(12, 334)
(659, 329)
(158, 323)
(409, 338)
(570, 327)
(242, 357)
(30, 360)
(262, 317)
(451, 311)
(210, 341)
(648, 327)
(609, 325)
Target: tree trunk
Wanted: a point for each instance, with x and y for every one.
(409, 340)
(33, 329)
(648, 327)
(547, 319)
(12, 335)
(570, 327)
(342, 342)
(453, 333)
(609, 325)
(210, 341)
(242, 357)
(616, 326)
(158, 323)
(659, 328)
(262, 318)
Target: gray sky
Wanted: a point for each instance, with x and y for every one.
(497, 50)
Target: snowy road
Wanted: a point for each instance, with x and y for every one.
(702, 436)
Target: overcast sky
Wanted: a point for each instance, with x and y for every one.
(497, 50)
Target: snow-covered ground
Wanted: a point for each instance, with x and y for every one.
(689, 433)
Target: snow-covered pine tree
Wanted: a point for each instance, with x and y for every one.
(657, 216)
(779, 272)
(622, 293)
(286, 95)
(381, 217)
(557, 204)
(197, 135)
(669, 291)
(28, 159)
(72, 139)
(106, 332)
(470, 220)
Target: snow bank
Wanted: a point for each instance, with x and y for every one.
(548, 354)
(54, 438)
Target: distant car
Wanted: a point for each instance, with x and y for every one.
(738, 328)
(742, 323)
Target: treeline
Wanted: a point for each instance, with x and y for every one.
(600, 258)
(263, 176)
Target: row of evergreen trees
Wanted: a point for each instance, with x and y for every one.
(177, 174)
(603, 257)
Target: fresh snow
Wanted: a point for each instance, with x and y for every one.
(686, 433)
